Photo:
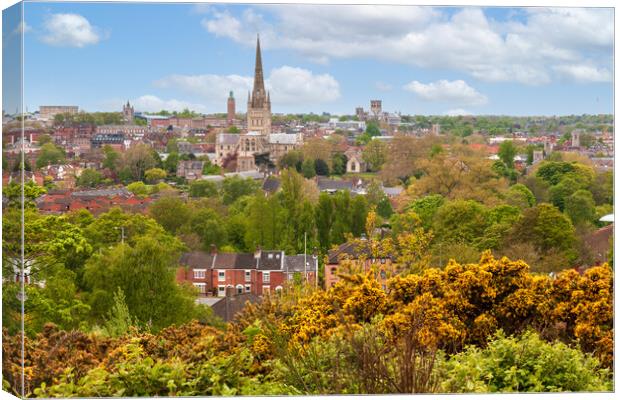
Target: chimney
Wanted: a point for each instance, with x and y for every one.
(213, 249)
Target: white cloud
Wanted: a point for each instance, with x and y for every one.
(290, 85)
(153, 103)
(22, 27)
(287, 86)
(456, 92)
(71, 30)
(518, 50)
(457, 112)
(584, 73)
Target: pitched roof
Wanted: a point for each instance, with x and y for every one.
(282, 138)
(296, 263)
(271, 184)
(228, 138)
(331, 184)
(270, 260)
(197, 259)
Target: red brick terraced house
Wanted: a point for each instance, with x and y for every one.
(263, 272)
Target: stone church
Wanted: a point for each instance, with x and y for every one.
(257, 139)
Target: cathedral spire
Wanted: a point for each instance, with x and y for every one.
(259, 84)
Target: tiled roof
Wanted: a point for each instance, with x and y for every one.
(282, 138)
(270, 260)
(228, 138)
(296, 263)
(197, 259)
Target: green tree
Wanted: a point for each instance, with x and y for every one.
(460, 221)
(154, 175)
(208, 225)
(171, 162)
(111, 158)
(234, 187)
(580, 207)
(372, 129)
(202, 188)
(507, 152)
(291, 159)
(308, 169)
(138, 188)
(324, 220)
(520, 196)
(560, 192)
(170, 212)
(137, 159)
(359, 212)
(89, 178)
(384, 208)
(426, 208)
(50, 154)
(145, 273)
(339, 164)
(375, 154)
(119, 320)
(321, 167)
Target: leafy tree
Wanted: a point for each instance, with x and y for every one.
(580, 207)
(372, 129)
(209, 227)
(507, 152)
(111, 158)
(119, 321)
(520, 196)
(359, 212)
(138, 159)
(170, 212)
(321, 167)
(546, 228)
(384, 208)
(339, 164)
(154, 175)
(50, 154)
(89, 178)
(144, 273)
(375, 154)
(138, 188)
(232, 129)
(426, 208)
(291, 159)
(210, 169)
(324, 220)
(308, 169)
(202, 188)
(171, 162)
(552, 172)
(234, 187)
(13, 193)
(460, 221)
(264, 217)
(560, 192)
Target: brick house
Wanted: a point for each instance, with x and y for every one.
(259, 273)
(360, 254)
(190, 169)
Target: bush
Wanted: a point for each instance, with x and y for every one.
(523, 364)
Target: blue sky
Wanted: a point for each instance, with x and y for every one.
(320, 58)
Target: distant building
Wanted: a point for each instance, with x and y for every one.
(231, 109)
(190, 169)
(115, 140)
(375, 108)
(575, 136)
(355, 161)
(49, 112)
(260, 273)
(537, 156)
(359, 112)
(360, 254)
(436, 129)
(128, 113)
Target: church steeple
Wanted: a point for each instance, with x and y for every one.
(259, 84)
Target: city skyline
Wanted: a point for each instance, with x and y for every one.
(418, 60)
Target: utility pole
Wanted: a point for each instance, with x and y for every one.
(305, 259)
(122, 228)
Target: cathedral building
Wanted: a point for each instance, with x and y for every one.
(258, 139)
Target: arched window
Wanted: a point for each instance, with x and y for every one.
(278, 289)
(239, 289)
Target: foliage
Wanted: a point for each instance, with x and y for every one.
(154, 175)
(89, 178)
(375, 154)
(523, 364)
(308, 169)
(234, 187)
(202, 188)
(50, 154)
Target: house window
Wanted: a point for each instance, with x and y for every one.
(383, 261)
(334, 270)
(266, 289)
(266, 277)
(248, 288)
(221, 290)
(200, 273)
(221, 276)
(383, 276)
(248, 275)
(202, 287)
(239, 289)
(270, 256)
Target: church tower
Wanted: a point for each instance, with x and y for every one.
(128, 113)
(259, 103)
(230, 118)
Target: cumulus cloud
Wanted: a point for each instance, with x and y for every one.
(153, 103)
(518, 50)
(456, 92)
(584, 73)
(71, 30)
(287, 85)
